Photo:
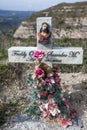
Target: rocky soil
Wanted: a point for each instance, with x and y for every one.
(27, 30)
(74, 87)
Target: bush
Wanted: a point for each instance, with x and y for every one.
(7, 74)
(1, 55)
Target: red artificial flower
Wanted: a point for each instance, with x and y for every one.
(55, 69)
(45, 93)
(56, 75)
(64, 122)
(39, 73)
(73, 113)
(67, 104)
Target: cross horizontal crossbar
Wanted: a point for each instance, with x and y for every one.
(58, 55)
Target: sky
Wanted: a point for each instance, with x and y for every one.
(31, 5)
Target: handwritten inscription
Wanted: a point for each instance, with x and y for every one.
(73, 53)
(49, 56)
(51, 53)
(19, 53)
(64, 55)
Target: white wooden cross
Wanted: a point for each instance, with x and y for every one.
(58, 55)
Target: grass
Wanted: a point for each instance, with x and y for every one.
(1, 55)
(73, 43)
(8, 110)
(7, 74)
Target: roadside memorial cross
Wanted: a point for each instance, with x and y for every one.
(58, 55)
(46, 94)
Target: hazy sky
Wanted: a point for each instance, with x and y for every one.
(29, 5)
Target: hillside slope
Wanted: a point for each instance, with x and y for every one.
(68, 21)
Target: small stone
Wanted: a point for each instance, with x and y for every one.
(80, 123)
(75, 122)
(20, 118)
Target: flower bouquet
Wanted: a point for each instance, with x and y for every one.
(46, 98)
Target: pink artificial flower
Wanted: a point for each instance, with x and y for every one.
(44, 107)
(39, 95)
(38, 54)
(64, 122)
(39, 73)
(49, 81)
(36, 86)
(49, 109)
(50, 99)
(42, 81)
(53, 109)
(44, 110)
(46, 114)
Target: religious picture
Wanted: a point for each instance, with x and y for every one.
(44, 33)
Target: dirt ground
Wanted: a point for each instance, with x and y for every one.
(74, 87)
